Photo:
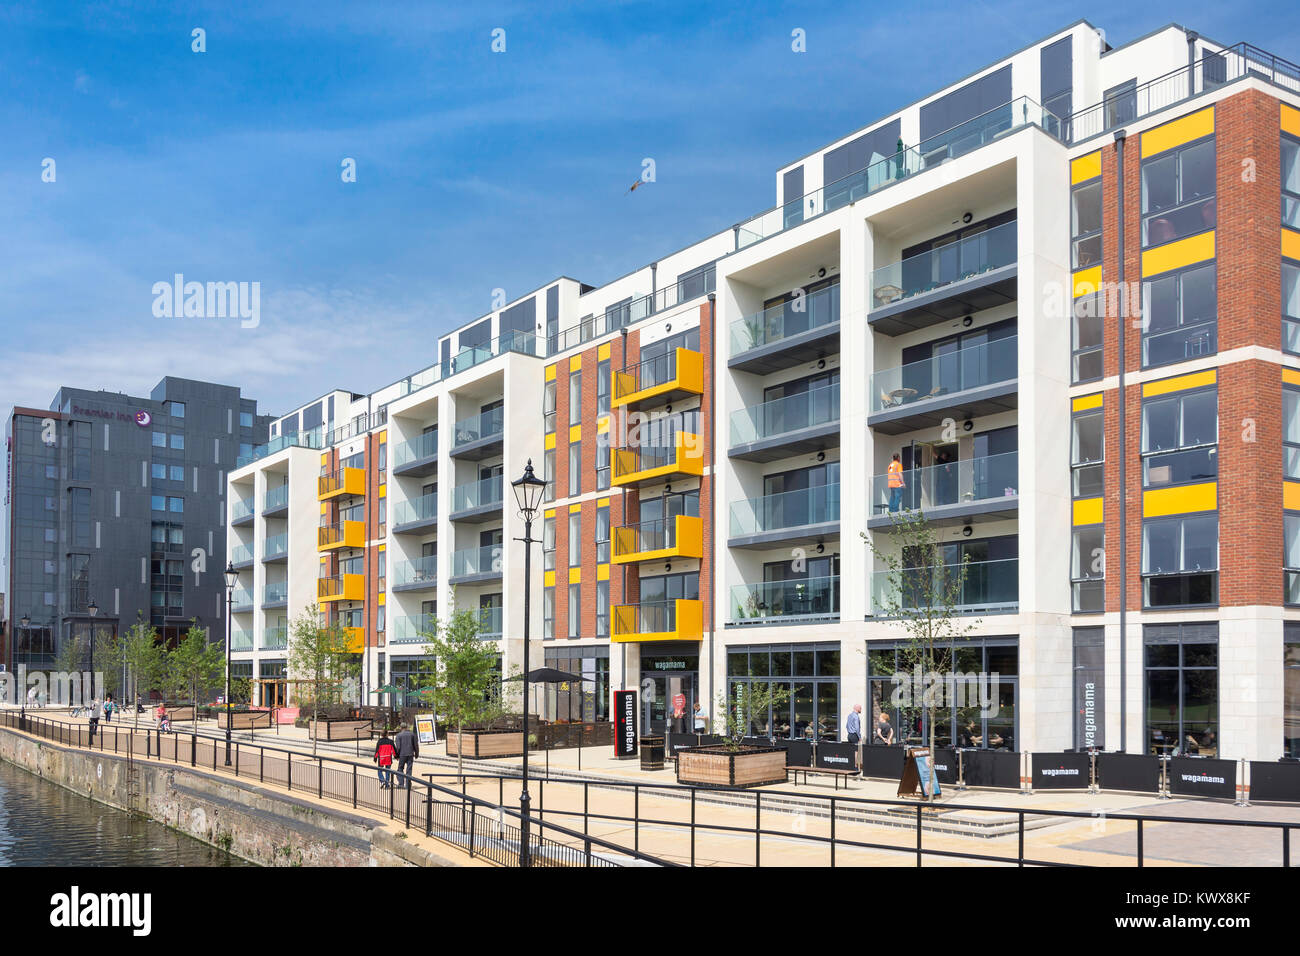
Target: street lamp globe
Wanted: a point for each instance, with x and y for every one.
(93, 608)
(232, 576)
(528, 492)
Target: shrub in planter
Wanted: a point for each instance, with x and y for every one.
(733, 763)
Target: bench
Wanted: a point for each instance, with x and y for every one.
(835, 774)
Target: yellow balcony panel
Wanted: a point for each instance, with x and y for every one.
(680, 537)
(666, 378)
(345, 481)
(341, 587)
(637, 466)
(679, 620)
(356, 639)
(342, 534)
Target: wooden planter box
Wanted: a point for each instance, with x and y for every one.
(339, 729)
(716, 766)
(249, 720)
(177, 713)
(486, 743)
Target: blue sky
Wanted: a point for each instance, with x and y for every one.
(475, 170)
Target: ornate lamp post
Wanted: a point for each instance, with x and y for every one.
(528, 495)
(93, 609)
(232, 578)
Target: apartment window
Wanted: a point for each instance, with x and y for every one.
(380, 624)
(176, 409)
(1290, 182)
(1085, 224)
(548, 613)
(1291, 557)
(1182, 689)
(1180, 316)
(602, 461)
(602, 388)
(245, 419)
(575, 468)
(79, 512)
(1086, 335)
(602, 534)
(697, 282)
(1180, 435)
(575, 610)
(1088, 568)
(548, 407)
(1291, 690)
(158, 471)
(178, 441)
(575, 539)
(1290, 307)
(1087, 454)
(548, 544)
(602, 609)
(176, 472)
(1178, 193)
(548, 472)
(158, 502)
(383, 458)
(1180, 561)
(176, 505)
(1121, 104)
(575, 397)
(1291, 432)
(159, 439)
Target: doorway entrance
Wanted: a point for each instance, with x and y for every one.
(669, 679)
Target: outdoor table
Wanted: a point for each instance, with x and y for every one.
(900, 395)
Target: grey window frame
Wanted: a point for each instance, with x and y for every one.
(1179, 275)
(1181, 202)
(1183, 446)
(1078, 238)
(1079, 352)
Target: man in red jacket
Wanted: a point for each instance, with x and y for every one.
(384, 751)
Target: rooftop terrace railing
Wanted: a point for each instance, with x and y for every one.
(623, 314)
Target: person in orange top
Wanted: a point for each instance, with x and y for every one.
(896, 484)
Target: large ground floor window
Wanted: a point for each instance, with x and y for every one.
(1291, 691)
(810, 674)
(1182, 689)
(409, 675)
(976, 697)
(585, 701)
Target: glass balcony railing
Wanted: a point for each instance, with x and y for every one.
(489, 622)
(276, 593)
(276, 498)
(524, 343)
(312, 438)
(949, 483)
(275, 638)
(949, 372)
(813, 311)
(810, 597)
(478, 494)
(905, 162)
(413, 629)
(489, 424)
(275, 546)
(485, 560)
(423, 508)
(789, 509)
(417, 571)
(241, 641)
(241, 508)
(241, 599)
(241, 554)
(961, 259)
(987, 584)
(817, 406)
(421, 446)
(422, 379)
(618, 316)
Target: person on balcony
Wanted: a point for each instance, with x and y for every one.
(896, 484)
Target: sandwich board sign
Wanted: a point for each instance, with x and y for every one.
(918, 773)
(426, 728)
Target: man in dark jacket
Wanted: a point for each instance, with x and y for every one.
(408, 748)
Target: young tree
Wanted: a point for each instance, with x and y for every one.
(748, 700)
(144, 659)
(74, 657)
(923, 595)
(319, 657)
(466, 685)
(196, 665)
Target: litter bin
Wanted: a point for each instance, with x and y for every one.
(652, 753)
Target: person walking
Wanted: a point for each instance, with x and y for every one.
(884, 735)
(853, 726)
(109, 707)
(408, 749)
(384, 751)
(699, 722)
(896, 484)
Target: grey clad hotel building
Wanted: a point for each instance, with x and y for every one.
(119, 500)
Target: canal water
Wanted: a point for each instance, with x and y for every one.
(42, 824)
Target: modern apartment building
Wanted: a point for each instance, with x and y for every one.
(117, 502)
(1057, 289)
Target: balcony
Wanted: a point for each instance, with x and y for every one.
(665, 378)
(275, 638)
(419, 456)
(786, 602)
(959, 384)
(489, 622)
(989, 587)
(241, 556)
(241, 511)
(805, 516)
(476, 565)
(420, 574)
(345, 481)
(241, 600)
(355, 638)
(782, 335)
(415, 515)
(307, 439)
(680, 620)
(275, 595)
(694, 286)
(341, 534)
(275, 548)
(968, 275)
(240, 641)
(341, 587)
(954, 493)
(524, 343)
(275, 501)
(681, 536)
(794, 425)
(479, 436)
(478, 501)
(647, 463)
(904, 164)
(413, 629)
